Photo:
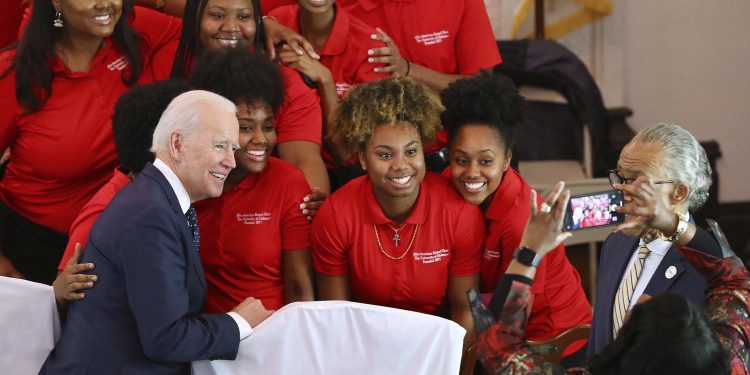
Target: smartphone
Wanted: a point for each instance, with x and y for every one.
(593, 210)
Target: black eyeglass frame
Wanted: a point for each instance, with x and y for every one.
(616, 178)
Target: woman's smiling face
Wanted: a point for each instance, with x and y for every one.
(478, 161)
(227, 24)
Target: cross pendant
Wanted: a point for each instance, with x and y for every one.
(396, 239)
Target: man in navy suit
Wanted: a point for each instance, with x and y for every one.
(636, 262)
(144, 314)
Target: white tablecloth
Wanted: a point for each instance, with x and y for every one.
(337, 337)
(29, 325)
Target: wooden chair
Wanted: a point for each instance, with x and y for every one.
(553, 348)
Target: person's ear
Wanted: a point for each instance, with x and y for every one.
(508, 157)
(56, 5)
(362, 160)
(176, 145)
(679, 193)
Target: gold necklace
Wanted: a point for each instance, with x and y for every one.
(377, 237)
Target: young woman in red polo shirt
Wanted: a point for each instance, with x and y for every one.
(398, 236)
(58, 87)
(222, 24)
(254, 239)
(481, 115)
(342, 42)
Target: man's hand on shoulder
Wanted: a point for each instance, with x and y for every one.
(253, 311)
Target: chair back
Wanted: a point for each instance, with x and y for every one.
(553, 348)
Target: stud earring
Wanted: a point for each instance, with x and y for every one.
(58, 22)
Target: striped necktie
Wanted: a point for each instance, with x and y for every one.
(625, 291)
(192, 220)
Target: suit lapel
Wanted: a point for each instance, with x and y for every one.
(669, 270)
(191, 255)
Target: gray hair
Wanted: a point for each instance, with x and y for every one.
(685, 159)
(183, 113)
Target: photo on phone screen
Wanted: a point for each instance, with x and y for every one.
(593, 210)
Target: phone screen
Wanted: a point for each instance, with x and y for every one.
(593, 210)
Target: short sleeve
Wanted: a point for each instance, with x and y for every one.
(329, 251)
(79, 231)
(469, 234)
(157, 29)
(295, 229)
(300, 118)
(476, 48)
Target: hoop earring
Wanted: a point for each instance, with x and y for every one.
(58, 22)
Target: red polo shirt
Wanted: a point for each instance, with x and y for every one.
(448, 242)
(449, 36)
(63, 153)
(345, 50)
(559, 300)
(244, 233)
(300, 117)
(79, 230)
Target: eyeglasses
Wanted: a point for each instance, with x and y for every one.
(616, 178)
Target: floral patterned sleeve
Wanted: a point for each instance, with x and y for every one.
(727, 299)
(501, 346)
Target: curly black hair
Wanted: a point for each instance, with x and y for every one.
(240, 76)
(485, 98)
(136, 114)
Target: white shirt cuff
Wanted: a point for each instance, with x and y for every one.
(242, 324)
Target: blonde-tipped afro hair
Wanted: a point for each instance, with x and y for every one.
(390, 101)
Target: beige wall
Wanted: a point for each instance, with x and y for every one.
(688, 62)
(681, 61)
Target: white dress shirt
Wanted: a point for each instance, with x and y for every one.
(658, 249)
(184, 199)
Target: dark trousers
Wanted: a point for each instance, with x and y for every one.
(34, 250)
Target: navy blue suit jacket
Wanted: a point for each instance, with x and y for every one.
(615, 256)
(144, 313)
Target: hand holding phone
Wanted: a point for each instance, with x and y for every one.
(593, 210)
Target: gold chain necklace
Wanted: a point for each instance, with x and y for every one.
(377, 237)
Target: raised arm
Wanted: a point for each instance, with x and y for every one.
(501, 346)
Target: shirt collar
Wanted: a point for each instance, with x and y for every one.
(506, 196)
(175, 183)
(658, 245)
(339, 36)
(58, 66)
(418, 214)
(369, 5)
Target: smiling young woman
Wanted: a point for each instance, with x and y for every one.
(256, 241)
(398, 236)
(481, 115)
(58, 89)
(227, 24)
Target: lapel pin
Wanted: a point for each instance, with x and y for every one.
(671, 271)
